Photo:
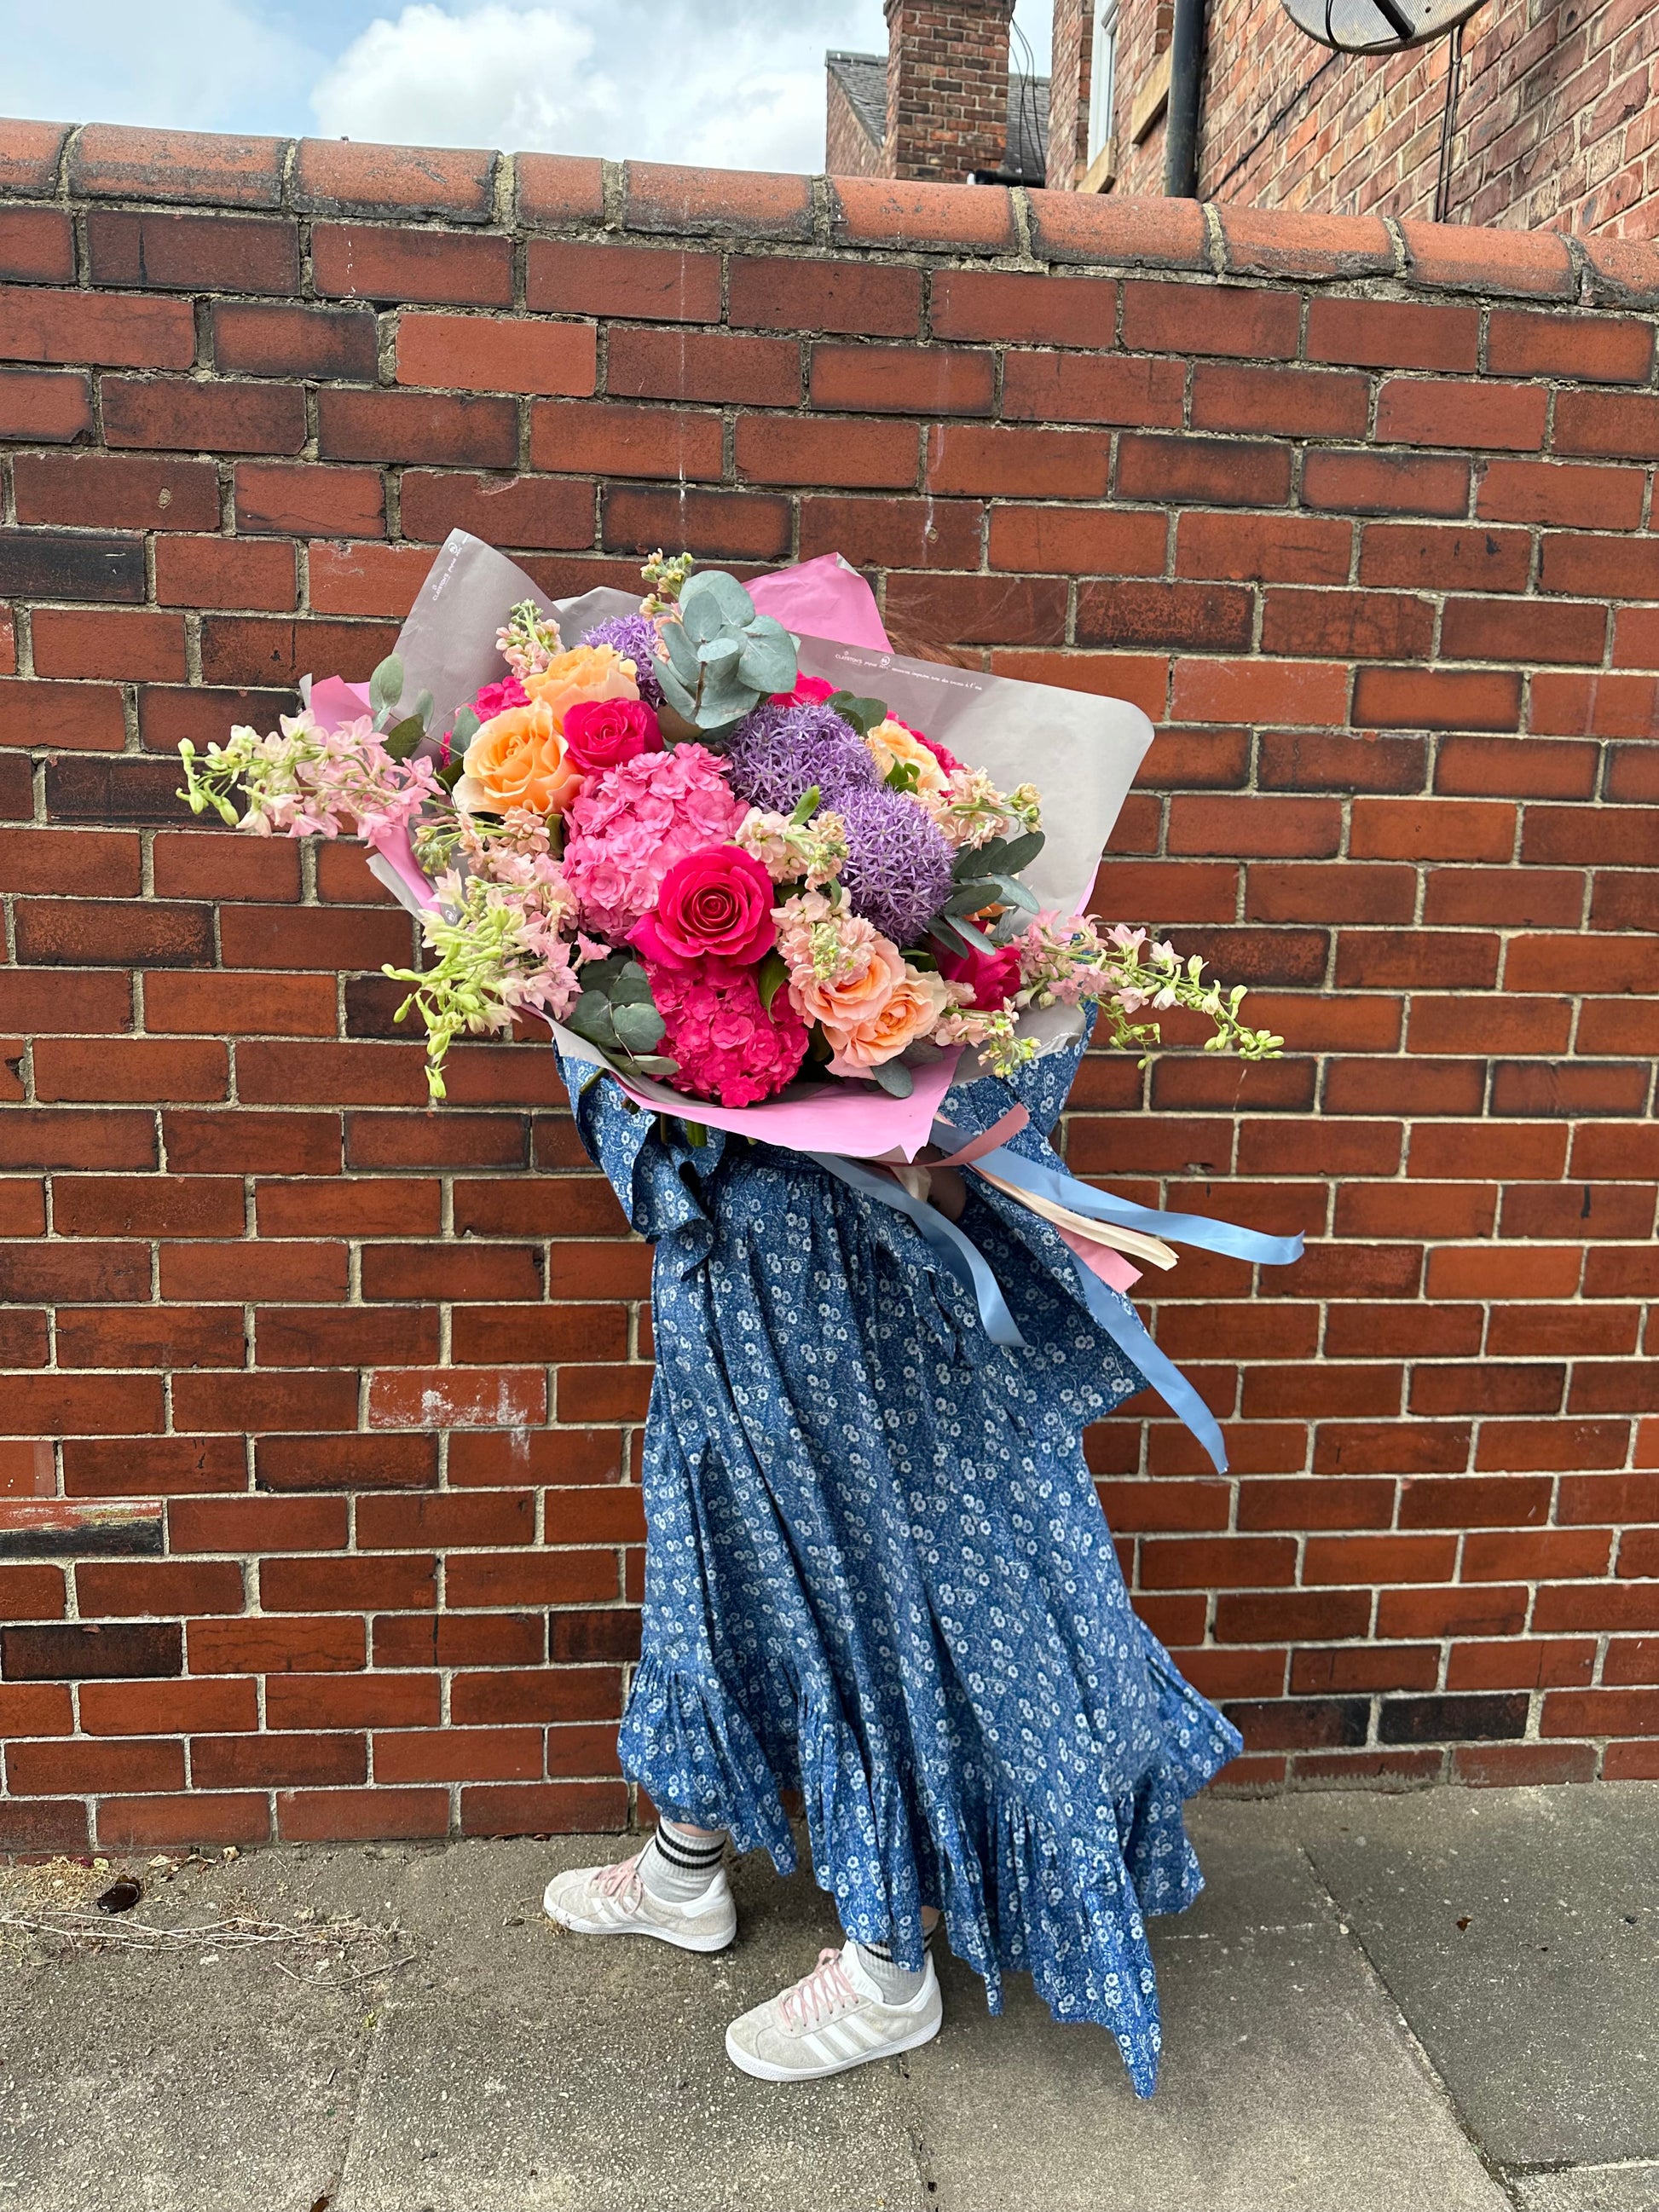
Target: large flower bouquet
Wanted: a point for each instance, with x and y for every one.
(721, 873)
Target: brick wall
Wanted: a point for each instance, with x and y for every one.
(1557, 120)
(318, 1513)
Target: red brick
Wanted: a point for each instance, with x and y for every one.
(224, 572)
(880, 212)
(1294, 402)
(1207, 318)
(518, 511)
(474, 353)
(1437, 699)
(341, 176)
(1531, 768)
(1612, 568)
(1560, 492)
(1450, 257)
(327, 1815)
(191, 416)
(1603, 349)
(170, 252)
(47, 406)
(143, 1762)
(321, 1462)
(916, 533)
(775, 449)
(655, 286)
(1427, 558)
(305, 342)
(115, 491)
(678, 364)
(1258, 691)
(1522, 631)
(1077, 541)
(1614, 423)
(1209, 471)
(408, 426)
(29, 162)
(1392, 334)
(914, 381)
(1387, 483)
(629, 441)
(980, 303)
(302, 498)
(558, 188)
(112, 161)
(37, 246)
(724, 204)
(103, 329)
(1278, 548)
(360, 262)
(544, 1809)
(1508, 1765)
(1419, 411)
(733, 526)
(1068, 387)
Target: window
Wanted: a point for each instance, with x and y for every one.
(1103, 78)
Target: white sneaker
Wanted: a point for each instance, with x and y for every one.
(613, 1900)
(832, 2019)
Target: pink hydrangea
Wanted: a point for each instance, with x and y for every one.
(729, 1047)
(631, 823)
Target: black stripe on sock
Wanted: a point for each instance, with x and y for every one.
(885, 1950)
(690, 1858)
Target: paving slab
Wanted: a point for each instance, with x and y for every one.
(1589, 2189)
(1287, 2085)
(527, 2068)
(1519, 1930)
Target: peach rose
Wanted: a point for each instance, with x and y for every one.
(914, 1009)
(586, 671)
(894, 746)
(856, 999)
(518, 759)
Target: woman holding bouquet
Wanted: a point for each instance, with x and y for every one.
(878, 1575)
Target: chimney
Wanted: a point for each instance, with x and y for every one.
(947, 89)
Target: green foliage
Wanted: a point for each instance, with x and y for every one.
(723, 658)
(864, 715)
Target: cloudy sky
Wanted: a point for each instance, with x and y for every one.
(732, 84)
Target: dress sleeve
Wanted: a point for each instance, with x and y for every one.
(648, 1159)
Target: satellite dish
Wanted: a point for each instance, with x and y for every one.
(1378, 27)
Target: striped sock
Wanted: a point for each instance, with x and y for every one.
(680, 1863)
(897, 1984)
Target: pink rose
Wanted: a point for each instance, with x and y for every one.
(599, 733)
(807, 688)
(992, 977)
(715, 904)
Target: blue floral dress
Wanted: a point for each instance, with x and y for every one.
(877, 1573)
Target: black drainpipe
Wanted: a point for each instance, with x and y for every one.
(1186, 88)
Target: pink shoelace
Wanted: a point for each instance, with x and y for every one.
(818, 1995)
(621, 1881)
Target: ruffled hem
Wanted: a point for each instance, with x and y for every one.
(1017, 1894)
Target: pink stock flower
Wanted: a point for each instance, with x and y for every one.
(713, 905)
(730, 1049)
(496, 698)
(628, 825)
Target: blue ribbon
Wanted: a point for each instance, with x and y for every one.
(962, 1258)
(958, 1255)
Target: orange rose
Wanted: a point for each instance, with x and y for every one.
(518, 759)
(894, 747)
(856, 999)
(586, 671)
(914, 1009)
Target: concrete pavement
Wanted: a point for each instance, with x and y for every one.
(1447, 2001)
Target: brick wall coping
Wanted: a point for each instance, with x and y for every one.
(1016, 227)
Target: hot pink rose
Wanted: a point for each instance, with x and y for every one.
(992, 977)
(599, 733)
(806, 688)
(715, 904)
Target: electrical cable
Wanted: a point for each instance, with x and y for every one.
(1443, 182)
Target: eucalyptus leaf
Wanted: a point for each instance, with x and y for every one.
(1017, 854)
(466, 728)
(893, 1077)
(722, 595)
(970, 898)
(638, 1028)
(681, 650)
(422, 707)
(972, 938)
(721, 656)
(590, 1017)
(451, 773)
(769, 661)
(654, 1063)
(402, 739)
(632, 987)
(386, 685)
(681, 696)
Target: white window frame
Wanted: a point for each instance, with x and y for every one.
(1102, 77)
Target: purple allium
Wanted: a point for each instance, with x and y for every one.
(899, 866)
(778, 752)
(634, 636)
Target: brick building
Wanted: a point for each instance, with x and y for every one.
(1554, 122)
(319, 1414)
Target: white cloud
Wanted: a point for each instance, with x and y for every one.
(191, 65)
(729, 86)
